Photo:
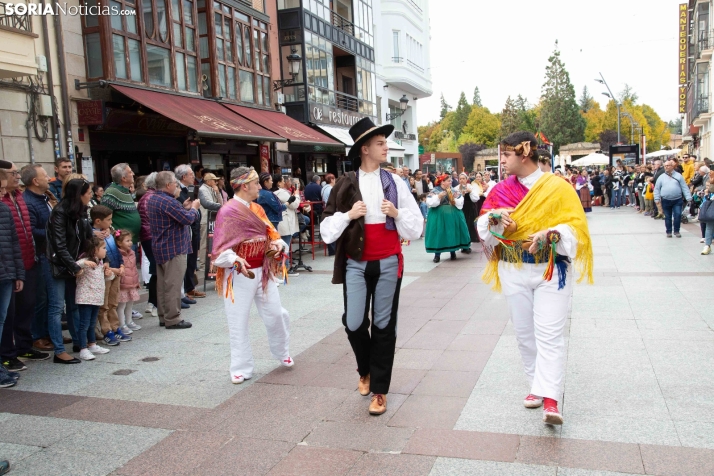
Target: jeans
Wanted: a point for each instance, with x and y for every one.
(17, 333)
(615, 199)
(39, 323)
(709, 233)
(87, 322)
(623, 194)
(6, 288)
(672, 210)
(64, 293)
(703, 227)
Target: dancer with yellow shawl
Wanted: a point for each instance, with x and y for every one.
(534, 231)
(246, 246)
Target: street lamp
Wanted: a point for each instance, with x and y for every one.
(633, 125)
(294, 62)
(611, 96)
(402, 108)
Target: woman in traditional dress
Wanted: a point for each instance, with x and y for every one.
(583, 189)
(480, 182)
(471, 193)
(446, 228)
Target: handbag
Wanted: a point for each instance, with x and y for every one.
(706, 212)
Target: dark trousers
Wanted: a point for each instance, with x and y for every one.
(191, 265)
(373, 285)
(17, 332)
(149, 253)
(672, 210)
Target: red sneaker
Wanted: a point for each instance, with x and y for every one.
(532, 401)
(551, 415)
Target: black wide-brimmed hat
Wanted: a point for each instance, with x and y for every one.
(362, 131)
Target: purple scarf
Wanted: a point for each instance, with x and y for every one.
(390, 193)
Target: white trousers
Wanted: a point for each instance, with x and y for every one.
(539, 312)
(275, 318)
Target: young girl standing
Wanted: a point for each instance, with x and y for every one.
(129, 287)
(90, 296)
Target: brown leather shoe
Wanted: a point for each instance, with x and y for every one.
(378, 405)
(363, 386)
(43, 345)
(196, 294)
(67, 340)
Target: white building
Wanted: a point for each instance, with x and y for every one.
(402, 36)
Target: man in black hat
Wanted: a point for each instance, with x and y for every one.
(367, 212)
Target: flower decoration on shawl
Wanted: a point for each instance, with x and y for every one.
(241, 228)
(549, 203)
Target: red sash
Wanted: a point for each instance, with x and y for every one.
(380, 243)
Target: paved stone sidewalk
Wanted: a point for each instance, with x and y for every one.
(640, 375)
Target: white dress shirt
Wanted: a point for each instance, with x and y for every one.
(433, 200)
(409, 221)
(567, 245)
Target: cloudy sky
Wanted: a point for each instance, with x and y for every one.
(503, 48)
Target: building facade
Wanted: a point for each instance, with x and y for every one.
(696, 84)
(403, 72)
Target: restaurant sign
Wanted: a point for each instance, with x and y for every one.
(323, 114)
(90, 113)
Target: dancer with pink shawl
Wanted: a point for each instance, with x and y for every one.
(246, 246)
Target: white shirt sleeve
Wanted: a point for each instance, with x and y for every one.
(226, 259)
(483, 232)
(475, 193)
(331, 228)
(567, 246)
(459, 202)
(433, 201)
(409, 222)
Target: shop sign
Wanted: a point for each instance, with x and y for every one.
(290, 36)
(683, 24)
(682, 99)
(333, 116)
(90, 113)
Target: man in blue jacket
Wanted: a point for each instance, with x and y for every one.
(669, 191)
(63, 167)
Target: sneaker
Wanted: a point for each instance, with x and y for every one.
(287, 362)
(122, 336)
(33, 355)
(293, 274)
(238, 379)
(136, 315)
(155, 312)
(149, 308)
(677, 234)
(551, 415)
(669, 235)
(15, 375)
(7, 381)
(14, 365)
(85, 354)
(111, 339)
(707, 250)
(532, 401)
(95, 349)
(133, 326)
(125, 329)
(702, 241)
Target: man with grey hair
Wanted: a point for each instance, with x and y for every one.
(170, 242)
(186, 177)
(118, 199)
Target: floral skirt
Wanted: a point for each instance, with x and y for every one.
(128, 295)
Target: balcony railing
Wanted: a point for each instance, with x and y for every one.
(701, 106)
(18, 22)
(342, 23)
(412, 64)
(416, 7)
(346, 102)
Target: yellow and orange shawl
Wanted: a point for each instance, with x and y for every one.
(550, 202)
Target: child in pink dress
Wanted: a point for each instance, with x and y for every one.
(129, 287)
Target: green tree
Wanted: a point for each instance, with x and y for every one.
(560, 118)
(461, 115)
(628, 94)
(509, 118)
(586, 101)
(675, 126)
(477, 98)
(527, 115)
(483, 127)
(445, 108)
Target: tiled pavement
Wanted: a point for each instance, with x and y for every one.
(638, 389)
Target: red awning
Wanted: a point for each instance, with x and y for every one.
(208, 118)
(285, 126)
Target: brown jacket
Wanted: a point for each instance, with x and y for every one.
(344, 195)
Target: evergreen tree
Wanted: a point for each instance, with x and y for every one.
(461, 115)
(445, 108)
(560, 118)
(628, 94)
(526, 115)
(509, 118)
(586, 101)
(675, 126)
(477, 98)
